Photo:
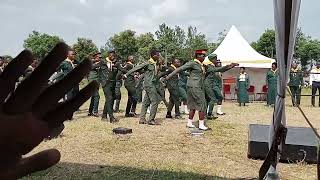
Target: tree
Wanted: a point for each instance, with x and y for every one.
(124, 43)
(266, 44)
(308, 52)
(40, 44)
(84, 48)
(145, 43)
(195, 41)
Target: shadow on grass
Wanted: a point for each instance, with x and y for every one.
(85, 171)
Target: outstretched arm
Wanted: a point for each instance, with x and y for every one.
(137, 68)
(182, 68)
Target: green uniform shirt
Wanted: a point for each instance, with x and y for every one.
(173, 83)
(296, 77)
(196, 73)
(130, 81)
(151, 74)
(109, 72)
(212, 75)
(94, 73)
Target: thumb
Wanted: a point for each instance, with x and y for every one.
(37, 162)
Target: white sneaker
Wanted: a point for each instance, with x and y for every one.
(189, 124)
(202, 126)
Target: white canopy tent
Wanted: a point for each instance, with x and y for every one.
(234, 48)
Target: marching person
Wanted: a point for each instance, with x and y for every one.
(272, 80)
(243, 84)
(109, 71)
(195, 88)
(1, 64)
(151, 83)
(173, 88)
(315, 83)
(295, 83)
(183, 78)
(213, 92)
(217, 86)
(94, 76)
(130, 85)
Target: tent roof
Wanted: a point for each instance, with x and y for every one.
(234, 48)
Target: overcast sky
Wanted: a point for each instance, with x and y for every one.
(100, 19)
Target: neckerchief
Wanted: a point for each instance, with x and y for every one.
(202, 67)
(68, 60)
(242, 77)
(31, 68)
(294, 70)
(109, 63)
(130, 62)
(173, 67)
(274, 71)
(151, 61)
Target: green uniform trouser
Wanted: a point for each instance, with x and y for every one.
(118, 90)
(296, 92)
(152, 99)
(109, 93)
(174, 100)
(183, 94)
(132, 100)
(94, 103)
(210, 98)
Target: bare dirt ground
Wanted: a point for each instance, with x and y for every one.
(90, 150)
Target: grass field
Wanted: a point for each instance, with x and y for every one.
(90, 150)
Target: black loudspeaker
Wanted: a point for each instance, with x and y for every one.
(121, 130)
(301, 144)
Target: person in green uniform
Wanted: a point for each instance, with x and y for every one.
(173, 88)
(1, 64)
(217, 86)
(243, 84)
(195, 88)
(295, 83)
(151, 82)
(66, 67)
(139, 85)
(210, 77)
(130, 85)
(119, 83)
(272, 80)
(94, 76)
(183, 78)
(109, 71)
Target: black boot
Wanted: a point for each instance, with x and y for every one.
(169, 116)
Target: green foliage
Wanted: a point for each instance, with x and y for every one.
(308, 50)
(84, 48)
(41, 44)
(266, 44)
(145, 42)
(124, 43)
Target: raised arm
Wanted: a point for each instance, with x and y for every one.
(182, 68)
(137, 68)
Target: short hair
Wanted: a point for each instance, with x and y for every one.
(111, 51)
(276, 64)
(153, 52)
(243, 68)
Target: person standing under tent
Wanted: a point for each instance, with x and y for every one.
(243, 84)
(295, 83)
(211, 91)
(173, 88)
(195, 88)
(272, 80)
(94, 76)
(315, 83)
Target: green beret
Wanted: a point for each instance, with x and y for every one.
(212, 56)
